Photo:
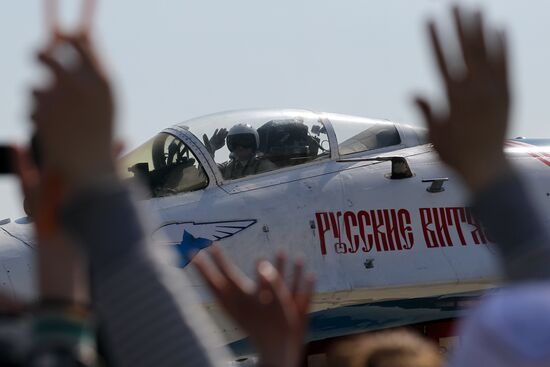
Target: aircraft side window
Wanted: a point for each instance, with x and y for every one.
(165, 166)
(253, 146)
(358, 135)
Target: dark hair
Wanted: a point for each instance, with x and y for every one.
(400, 348)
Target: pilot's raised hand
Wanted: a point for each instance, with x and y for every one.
(272, 314)
(216, 141)
(469, 135)
(74, 113)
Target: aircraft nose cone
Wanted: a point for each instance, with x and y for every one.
(16, 267)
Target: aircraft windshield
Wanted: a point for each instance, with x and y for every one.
(356, 134)
(254, 142)
(164, 165)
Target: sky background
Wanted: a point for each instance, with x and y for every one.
(172, 60)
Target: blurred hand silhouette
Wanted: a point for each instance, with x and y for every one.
(74, 114)
(469, 136)
(272, 314)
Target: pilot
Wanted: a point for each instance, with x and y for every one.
(243, 142)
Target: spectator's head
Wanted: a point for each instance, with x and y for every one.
(398, 348)
(243, 141)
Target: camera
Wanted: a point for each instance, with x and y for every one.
(6, 160)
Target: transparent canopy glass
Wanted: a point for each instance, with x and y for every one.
(165, 166)
(284, 138)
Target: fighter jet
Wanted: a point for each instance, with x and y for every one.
(377, 217)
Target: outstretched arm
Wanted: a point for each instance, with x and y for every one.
(469, 137)
(149, 317)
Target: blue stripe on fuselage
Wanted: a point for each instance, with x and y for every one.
(361, 318)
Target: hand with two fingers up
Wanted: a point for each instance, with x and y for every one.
(74, 113)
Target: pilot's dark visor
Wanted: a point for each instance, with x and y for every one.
(243, 140)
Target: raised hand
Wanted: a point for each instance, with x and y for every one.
(469, 136)
(272, 314)
(74, 114)
(216, 141)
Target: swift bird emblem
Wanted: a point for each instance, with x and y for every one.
(188, 238)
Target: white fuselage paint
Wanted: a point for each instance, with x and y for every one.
(324, 212)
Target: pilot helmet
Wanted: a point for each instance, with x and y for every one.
(244, 135)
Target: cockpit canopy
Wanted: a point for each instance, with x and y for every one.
(261, 141)
(165, 166)
(359, 134)
(286, 137)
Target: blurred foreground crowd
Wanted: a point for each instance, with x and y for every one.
(106, 300)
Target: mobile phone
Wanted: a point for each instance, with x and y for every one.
(6, 160)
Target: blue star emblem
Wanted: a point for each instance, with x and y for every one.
(189, 246)
(196, 235)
